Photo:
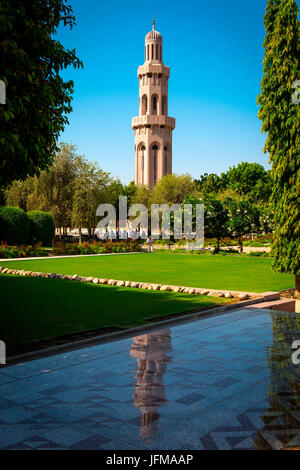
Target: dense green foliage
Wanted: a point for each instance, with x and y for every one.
(70, 191)
(281, 121)
(14, 226)
(37, 98)
(41, 227)
(73, 188)
(212, 272)
(248, 180)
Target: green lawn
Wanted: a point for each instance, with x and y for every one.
(240, 273)
(36, 308)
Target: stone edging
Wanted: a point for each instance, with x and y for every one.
(133, 284)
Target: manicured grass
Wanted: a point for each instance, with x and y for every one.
(36, 308)
(239, 273)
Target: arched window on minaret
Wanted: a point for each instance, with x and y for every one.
(141, 162)
(152, 53)
(154, 102)
(148, 52)
(155, 152)
(157, 58)
(144, 105)
(164, 105)
(160, 58)
(165, 160)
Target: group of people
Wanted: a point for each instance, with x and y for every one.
(120, 234)
(110, 235)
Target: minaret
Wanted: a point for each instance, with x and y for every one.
(153, 127)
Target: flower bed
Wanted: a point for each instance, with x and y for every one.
(86, 248)
(21, 251)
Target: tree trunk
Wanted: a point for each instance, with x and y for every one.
(241, 245)
(297, 285)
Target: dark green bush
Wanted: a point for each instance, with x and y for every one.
(41, 227)
(14, 226)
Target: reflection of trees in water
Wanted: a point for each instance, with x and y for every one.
(150, 351)
(284, 388)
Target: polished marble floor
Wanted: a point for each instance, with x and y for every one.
(225, 382)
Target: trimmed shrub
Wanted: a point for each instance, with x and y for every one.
(41, 227)
(14, 225)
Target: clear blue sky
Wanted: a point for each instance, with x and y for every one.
(214, 49)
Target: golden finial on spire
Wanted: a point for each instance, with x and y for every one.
(153, 20)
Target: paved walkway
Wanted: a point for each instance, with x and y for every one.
(224, 382)
(70, 256)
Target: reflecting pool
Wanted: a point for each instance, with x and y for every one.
(231, 381)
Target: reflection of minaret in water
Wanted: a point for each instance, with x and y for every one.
(150, 351)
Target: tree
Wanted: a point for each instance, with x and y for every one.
(216, 218)
(172, 189)
(249, 179)
(70, 190)
(89, 192)
(211, 183)
(129, 190)
(281, 121)
(142, 196)
(240, 218)
(245, 179)
(266, 219)
(193, 201)
(54, 189)
(19, 192)
(37, 98)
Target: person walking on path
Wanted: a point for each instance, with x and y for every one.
(149, 243)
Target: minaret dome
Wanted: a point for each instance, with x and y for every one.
(153, 46)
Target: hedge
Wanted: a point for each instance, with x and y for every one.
(41, 227)
(14, 226)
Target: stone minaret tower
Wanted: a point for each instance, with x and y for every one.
(153, 127)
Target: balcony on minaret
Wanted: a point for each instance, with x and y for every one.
(153, 68)
(153, 119)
